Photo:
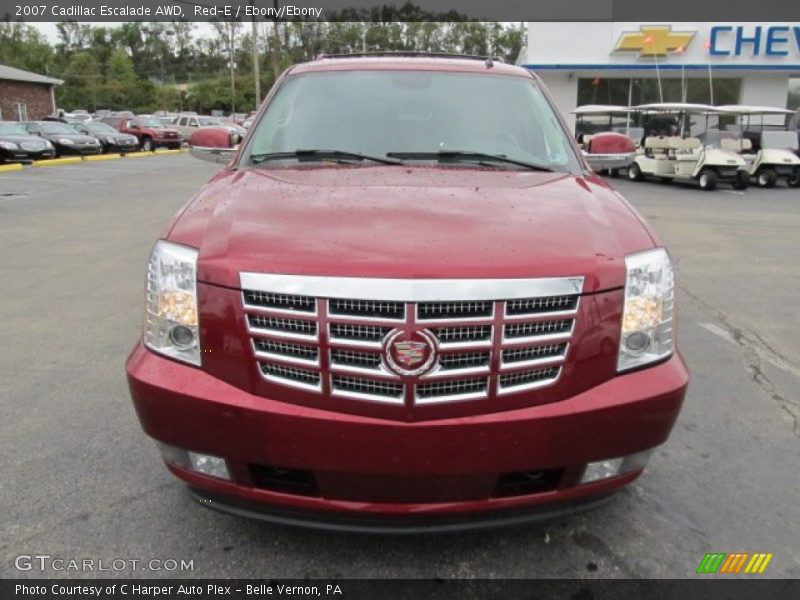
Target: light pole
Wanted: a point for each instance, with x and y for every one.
(256, 75)
(232, 64)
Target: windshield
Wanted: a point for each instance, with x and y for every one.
(54, 127)
(149, 122)
(100, 128)
(205, 121)
(12, 129)
(384, 112)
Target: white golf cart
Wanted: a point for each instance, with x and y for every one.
(605, 135)
(679, 145)
(769, 148)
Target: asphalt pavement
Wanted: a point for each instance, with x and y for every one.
(81, 480)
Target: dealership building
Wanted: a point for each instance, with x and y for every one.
(631, 63)
(26, 96)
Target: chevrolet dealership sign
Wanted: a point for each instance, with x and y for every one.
(606, 45)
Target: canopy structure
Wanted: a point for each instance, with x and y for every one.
(677, 107)
(601, 109)
(741, 109)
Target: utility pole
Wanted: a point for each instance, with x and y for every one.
(231, 55)
(256, 75)
(276, 50)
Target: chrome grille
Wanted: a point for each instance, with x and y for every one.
(362, 333)
(283, 350)
(436, 311)
(463, 335)
(368, 309)
(368, 388)
(539, 329)
(334, 345)
(290, 375)
(513, 382)
(470, 360)
(552, 304)
(531, 354)
(355, 358)
(281, 301)
(283, 325)
(457, 389)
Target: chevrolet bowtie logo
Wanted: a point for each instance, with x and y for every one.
(654, 40)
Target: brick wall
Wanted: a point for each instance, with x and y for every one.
(35, 95)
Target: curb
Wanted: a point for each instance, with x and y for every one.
(103, 157)
(72, 160)
(11, 167)
(176, 151)
(137, 154)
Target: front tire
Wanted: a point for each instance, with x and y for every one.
(147, 145)
(766, 178)
(707, 179)
(635, 173)
(794, 179)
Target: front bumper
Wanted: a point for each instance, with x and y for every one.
(367, 469)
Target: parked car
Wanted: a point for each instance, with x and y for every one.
(18, 145)
(78, 115)
(406, 302)
(187, 124)
(150, 132)
(64, 138)
(111, 139)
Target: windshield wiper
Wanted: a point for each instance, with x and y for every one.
(322, 155)
(467, 155)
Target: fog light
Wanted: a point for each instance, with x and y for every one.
(181, 336)
(206, 464)
(637, 341)
(614, 467)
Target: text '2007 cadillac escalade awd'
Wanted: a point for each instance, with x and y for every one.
(407, 303)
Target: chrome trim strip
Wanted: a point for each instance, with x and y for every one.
(411, 290)
(292, 382)
(278, 311)
(289, 360)
(452, 398)
(394, 400)
(524, 387)
(438, 372)
(284, 335)
(533, 316)
(501, 391)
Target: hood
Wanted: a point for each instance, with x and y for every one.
(19, 139)
(410, 222)
(75, 137)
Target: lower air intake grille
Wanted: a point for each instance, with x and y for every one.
(368, 387)
(290, 374)
(449, 389)
(528, 378)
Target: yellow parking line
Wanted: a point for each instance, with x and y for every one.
(103, 157)
(72, 160)
(11, 167)
(138, 154)
(176, 151)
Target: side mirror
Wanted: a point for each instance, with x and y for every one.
(133, 126)
(215, 155)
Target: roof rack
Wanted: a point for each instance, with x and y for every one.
(407, 54)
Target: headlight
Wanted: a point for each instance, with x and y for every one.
(65, 141)
(171, 325)
(647, 317)
(47, 144)
(8, 145)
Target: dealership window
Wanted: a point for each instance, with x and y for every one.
(793, 101)
(630, 92)
(22, 111)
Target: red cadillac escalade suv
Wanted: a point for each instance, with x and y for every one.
(407, 303)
